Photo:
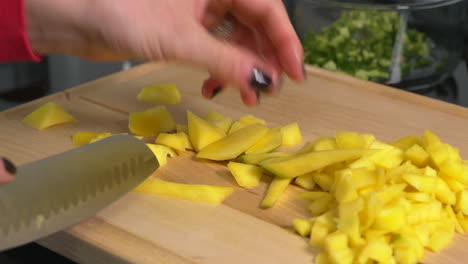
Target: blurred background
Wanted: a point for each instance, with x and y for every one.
(416, 45)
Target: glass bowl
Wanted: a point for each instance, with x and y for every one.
(409, 44)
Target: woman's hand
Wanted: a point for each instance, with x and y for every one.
(262, 47)
(7, 171)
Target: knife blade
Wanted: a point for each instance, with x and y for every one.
(54, 193)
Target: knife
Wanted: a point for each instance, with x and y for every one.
(54, 193)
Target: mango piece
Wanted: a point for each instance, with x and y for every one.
(322, 226)
(49, 114)
(440, 240)
(236, 126)
(417, 155)
(387, 158)
(462, 202)
(421, 197)
(455, 170)
(199, 193)
(250, 119)
(161, 152)
(269, 142)
(364, 162)
(276, 188)
(390, 218)
(338, 251)
(320, 205)
(202, 133)
(389, 194)
(178, 141)
(254, 159)
(321, 143)
(443, 192)
(376, 250)
(323, 180)
(101, 136)
(233, 144)
(438, 153)
(151, 122)
(302, 226)
(372, 207)
(344, 188)
(420, 182)
(430, 138)
(212, 115)
(246, 175)
(160, 93)
(218, 120)
(314, 195)
(291, 134)
(83, 137)
(306, 181)
(349, 140)
(321, 258)
(182, 128)
(405, 143)
(363, 178)
(299, 164)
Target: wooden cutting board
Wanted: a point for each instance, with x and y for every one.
(146, 229)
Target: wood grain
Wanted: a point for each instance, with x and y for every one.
(143, 229)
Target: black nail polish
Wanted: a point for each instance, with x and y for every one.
(9, 166)
(260, 80)
(216, 91)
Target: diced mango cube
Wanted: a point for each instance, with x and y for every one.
(417, 155)
(302, 226)
(462, 202)
(160, 93)
(440, 240)
(320, 205)
(388, 158)
(376, 250)
(178, 141)
(405, 143)
(322, 226)
(323, 180)
(151, 122)
(49, 114)
(246, 175)
(390, 218)
(306, 181)
(344, 189)
(421, 182)
(430, 138)
(421, 197)
(349, 140)
(443, 192)
(291, 134)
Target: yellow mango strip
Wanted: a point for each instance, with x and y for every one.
(250, 119)
(151, 122)
(291, 134)
(246, 175)
(161, 152)
(49, 114)
(269, 142)
(276, 188)
(178, 141)
(254, 159)
(232, 145)
(201, 132)
(82, 138)
(296, 165)
(236, 126)
(160, 93)
(200, 193)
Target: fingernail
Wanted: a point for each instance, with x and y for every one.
(216, 91)
(260, 80)
(9, 166)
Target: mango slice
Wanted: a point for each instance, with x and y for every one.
(101, 136)
(302, 226)
(296, 165)
(151, 122)
(160, 93)
(275, 189)
(254, 159)
(182, 128)
(319, 144)
(306, 181)
(291, 134)
(161, 152)
(178, 141)
(83, 137)
(202, 133)
(200, 193)
(218, 120)
(236, 126)
(246, 175)
(231, 146)
(269, 142)
(250, 119)
(49, 114)
(349, 140)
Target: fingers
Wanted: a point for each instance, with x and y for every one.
(270, 17)
(7, 171)
(229, 64)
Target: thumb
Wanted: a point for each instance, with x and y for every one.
(230, 64)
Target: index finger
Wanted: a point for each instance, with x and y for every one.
(271, 19)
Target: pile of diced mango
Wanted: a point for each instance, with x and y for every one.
(370, 201)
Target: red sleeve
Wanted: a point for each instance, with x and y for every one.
(14, 43)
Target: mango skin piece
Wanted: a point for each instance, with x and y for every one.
(160, 93)
(276, 188)
(269, 142)
(200, 193)
(231, 146)
(49, 114)
(296, 165)
(82, 138)
(161, 152)
(246, 175)
(151, 122)
(201, 132)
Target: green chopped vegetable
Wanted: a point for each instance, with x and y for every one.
(360, 43)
